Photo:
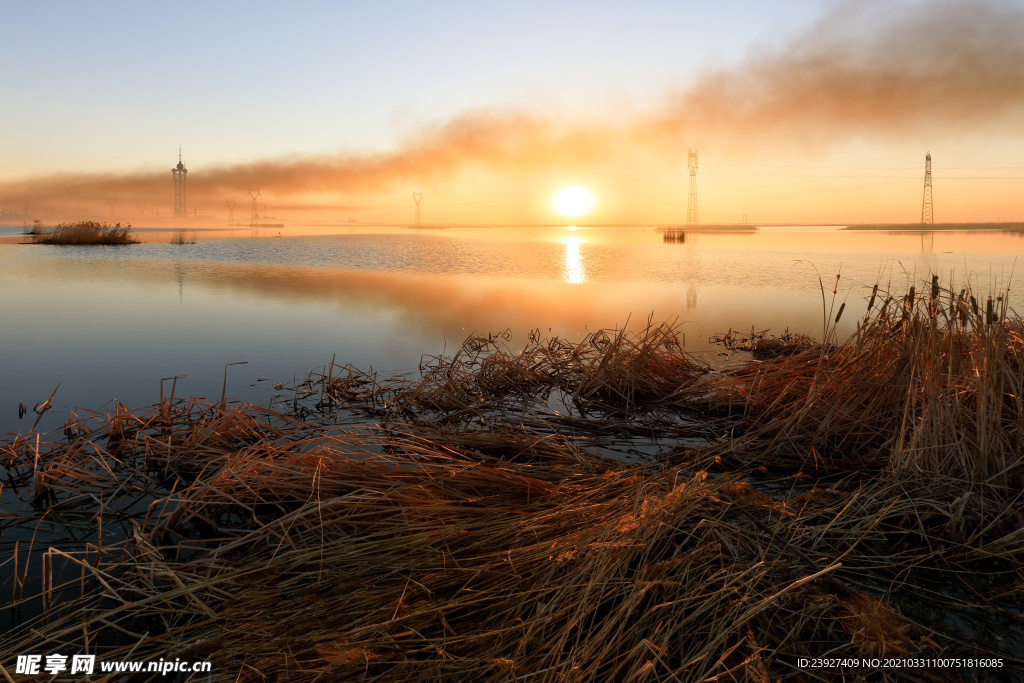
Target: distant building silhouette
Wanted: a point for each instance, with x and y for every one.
(179, 172)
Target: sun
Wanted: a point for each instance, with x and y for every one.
(573, 201)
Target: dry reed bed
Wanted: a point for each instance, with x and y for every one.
(182, 237)
(87, 232)
(310, 558)
(927, 388)
(470, 536)
(642, 381)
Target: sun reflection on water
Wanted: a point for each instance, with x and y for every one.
(573, 272)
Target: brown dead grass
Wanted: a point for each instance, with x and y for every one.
(88, 232)
(467, 532)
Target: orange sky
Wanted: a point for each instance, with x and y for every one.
(830, 127)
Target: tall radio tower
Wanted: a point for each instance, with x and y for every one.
(691, 202)
(231, 211)
(255, 213)
(927, 215)
(179, 173)
(417, 197)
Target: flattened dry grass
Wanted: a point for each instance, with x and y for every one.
(468, 532)
(287, 554)
(610, 373)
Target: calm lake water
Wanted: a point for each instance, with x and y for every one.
(110, 322)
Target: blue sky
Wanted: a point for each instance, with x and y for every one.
(115, 85)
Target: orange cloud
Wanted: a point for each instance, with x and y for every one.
(865, 71)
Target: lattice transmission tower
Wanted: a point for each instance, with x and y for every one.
(927, 212)
(231, 211)
(691, 202)
(417, 197)
(179, 172)
(255, 212)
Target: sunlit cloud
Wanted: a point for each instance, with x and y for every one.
(866, 71)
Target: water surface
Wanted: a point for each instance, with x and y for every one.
(110, 322)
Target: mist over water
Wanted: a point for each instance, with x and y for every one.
(110, 322)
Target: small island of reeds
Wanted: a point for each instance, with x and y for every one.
(36, 229)
(182, 237)
(855, 500)
(87, 232)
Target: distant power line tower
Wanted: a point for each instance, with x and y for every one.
(142, 210)
(113, 203)
(691, 202)
(927, 214)
(231, 211)
(417, 197)
(179, 173)
(255, 212)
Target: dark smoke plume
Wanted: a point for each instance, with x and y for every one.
(868, 70)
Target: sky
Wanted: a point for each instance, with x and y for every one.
(805, 111)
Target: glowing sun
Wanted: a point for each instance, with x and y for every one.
(573, 201)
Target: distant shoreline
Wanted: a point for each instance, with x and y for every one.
(933, 227)
(1009, 226)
